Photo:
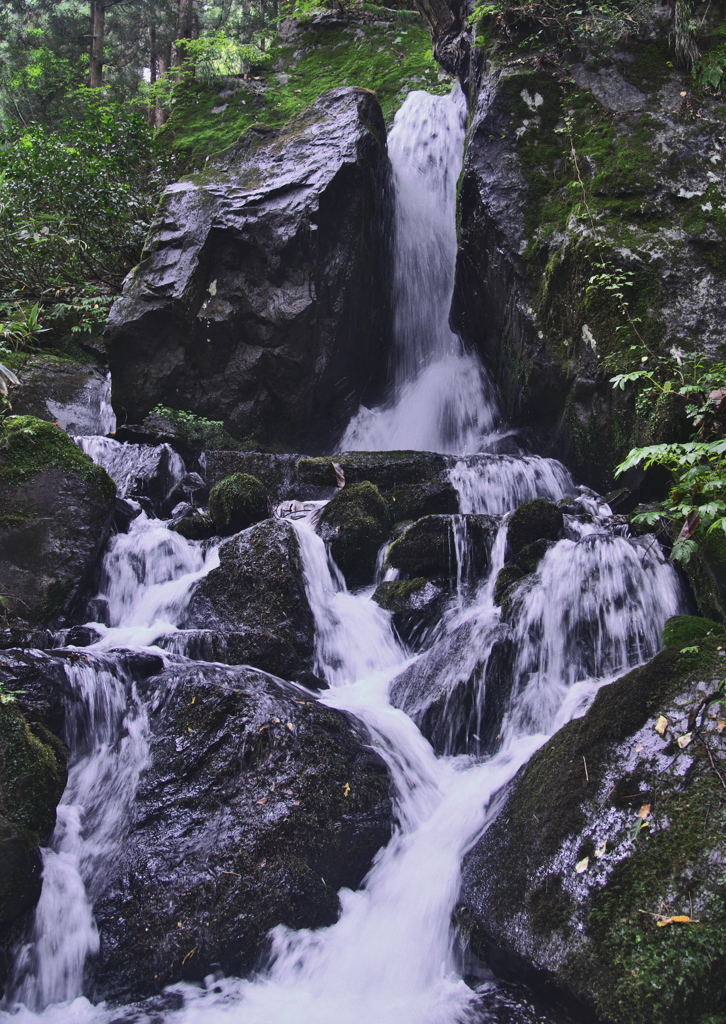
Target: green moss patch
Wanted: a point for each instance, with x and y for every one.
(388, 57)
(237, 502)
(29, 445)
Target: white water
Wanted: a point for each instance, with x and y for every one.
(593, 608)
(441, 397)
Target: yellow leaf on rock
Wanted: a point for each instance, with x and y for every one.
(720, 725)
(582, 865)
(684, 740)
(346, 789)
(644, 811)
(661, 724)
(601, 849)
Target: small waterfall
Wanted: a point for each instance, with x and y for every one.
(107, 735)
(136, 468)
(441, 398)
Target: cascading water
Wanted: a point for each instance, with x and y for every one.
(593, 608)
(441, 399)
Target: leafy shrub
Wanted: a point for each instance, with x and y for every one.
(696, 503)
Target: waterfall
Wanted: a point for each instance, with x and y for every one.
(441, 397)
(593, 607)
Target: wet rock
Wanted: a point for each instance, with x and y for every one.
(146, 472)
(432, 498)
(355, 524)
(457, 691)
(257, 806)
(197, 526)
(429, 547)
(416, 606)
(188, 434)
(605, 832)
(237, 502)
(124, 513)
(387, 470)
(257, 647)
(507, 578)
(262, 300)
(533, 521)
(55, 514)
(259, 585)
(278, 473)
(64, 392)
(32, 779)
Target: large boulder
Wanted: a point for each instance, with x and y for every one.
(258, 804)
(56, 508)
(74, 395)
(258, 585)
(262, 295)
(416, 606)
(355, 524)
(603, 873)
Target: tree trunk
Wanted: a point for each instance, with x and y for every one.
(164, 57)
(153, 56)
(98, 17)
(185, 28)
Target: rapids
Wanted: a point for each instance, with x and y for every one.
(594, 608)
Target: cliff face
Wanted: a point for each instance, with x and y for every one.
(262, 298)
(592, 234)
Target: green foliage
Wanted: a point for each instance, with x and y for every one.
(20, 328)
(711, 68)
(76, 202)
(531, 23)
(697, 500)
(217, 56)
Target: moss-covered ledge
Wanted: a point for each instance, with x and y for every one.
(610, 829)
(55, 512)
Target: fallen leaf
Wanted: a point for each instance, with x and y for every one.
(276, 721)
(601, 849)
(693, 521)
(720, 725)
(684, 94)
(644, 811)
(582, 865)
(290, 726)
(684, 740)
(661, 724)
(346, 789)
(263, 800)
(678, 919)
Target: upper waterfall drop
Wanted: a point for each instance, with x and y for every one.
(440, 396)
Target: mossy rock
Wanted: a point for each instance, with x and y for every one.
(190, 434)
(356, 523)
(534, 520)
(32, 780)
(507, 577)
(56, 508)
(237, 502)
(579, 797)
(416, 606)
(687, 630)
(199, 526)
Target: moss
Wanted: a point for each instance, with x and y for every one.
(686, 630)
(388, 58)
(505, 581)
(356, 523)
(395, 595)
(29, 445)
(196, 527)
(32, 775)
(550, 907)
(387, 470)
(238, 501)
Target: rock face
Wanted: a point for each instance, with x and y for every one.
(555, 223)
(64, 392)
(610, 829)
(259, 585)
(258, 804)
(262, 297)
(32, 779)
(55, 512)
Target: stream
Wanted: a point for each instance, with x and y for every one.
(594, 608)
